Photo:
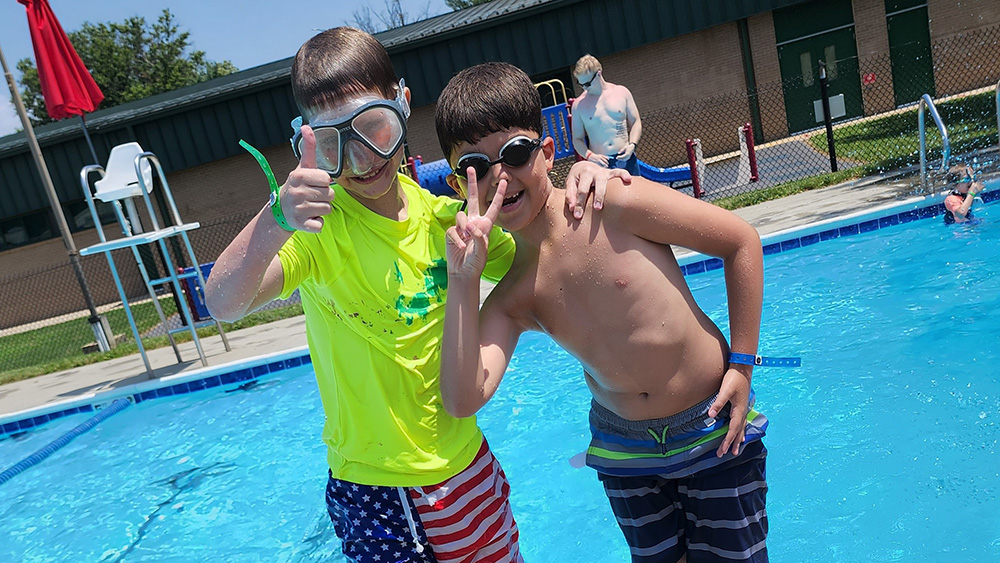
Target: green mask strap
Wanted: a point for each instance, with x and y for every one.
(274, 202)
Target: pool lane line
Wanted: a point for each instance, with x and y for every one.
(60, 442)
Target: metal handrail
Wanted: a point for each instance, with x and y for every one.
(927, 102)
(998, 112)
(552, 87)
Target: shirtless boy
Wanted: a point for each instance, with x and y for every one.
(675, 439)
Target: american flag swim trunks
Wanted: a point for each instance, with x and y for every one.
(466, 519)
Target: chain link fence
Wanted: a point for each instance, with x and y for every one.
(40, 318)
(44, 315)
(878, 132)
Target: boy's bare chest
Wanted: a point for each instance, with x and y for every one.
(583, 286)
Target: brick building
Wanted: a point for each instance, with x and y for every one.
(719, 62)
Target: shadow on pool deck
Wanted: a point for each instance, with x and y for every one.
(768, 217)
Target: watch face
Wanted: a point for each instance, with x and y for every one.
(272, 199)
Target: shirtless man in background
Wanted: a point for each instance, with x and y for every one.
(606, 124)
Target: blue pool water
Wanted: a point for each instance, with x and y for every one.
(883, 446)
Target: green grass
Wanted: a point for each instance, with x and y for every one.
(893, 141)
(793, 187)
(889, 143)
(60, 347)
(67, 339)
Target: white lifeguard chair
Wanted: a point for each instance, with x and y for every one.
(129, 177)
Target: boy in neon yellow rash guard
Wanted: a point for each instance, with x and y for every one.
(368, 257)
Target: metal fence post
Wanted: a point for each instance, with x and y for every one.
(693, 165)
(826, 116)
(751, 152)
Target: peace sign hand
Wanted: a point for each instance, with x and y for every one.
(307, 196)
(468, 241)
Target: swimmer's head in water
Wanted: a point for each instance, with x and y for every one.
(959, 176)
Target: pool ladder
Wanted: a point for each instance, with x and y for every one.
(927, 103)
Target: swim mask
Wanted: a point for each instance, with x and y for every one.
(379, 125)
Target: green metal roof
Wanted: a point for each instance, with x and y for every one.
(204, 122)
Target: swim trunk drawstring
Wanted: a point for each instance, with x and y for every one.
(661, 438)
(409, 519)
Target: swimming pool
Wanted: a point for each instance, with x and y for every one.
(883, 446)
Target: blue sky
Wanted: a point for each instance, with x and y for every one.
(247, 32)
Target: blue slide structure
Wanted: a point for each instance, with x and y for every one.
(556, 124)
(432, 176)
(668, 176)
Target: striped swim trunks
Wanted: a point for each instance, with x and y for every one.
(672, 496)
(464, 519)
(468, 517)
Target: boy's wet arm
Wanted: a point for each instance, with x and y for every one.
(671, 218)
(476, 350)
(498, 337)
(667, 217)
(248, 273)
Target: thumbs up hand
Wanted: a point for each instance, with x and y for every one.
(306, 195)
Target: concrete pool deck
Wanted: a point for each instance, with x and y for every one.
(769, 217)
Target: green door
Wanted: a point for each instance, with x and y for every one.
(909, 50)
(799, 64)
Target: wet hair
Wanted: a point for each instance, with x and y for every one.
(586, 65)
(955, 174)
(484, 99)
(339, 64)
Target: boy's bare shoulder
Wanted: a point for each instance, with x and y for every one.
(641, 195)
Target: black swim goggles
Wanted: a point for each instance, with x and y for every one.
(589, 82)
(514, 153)
(379, 125)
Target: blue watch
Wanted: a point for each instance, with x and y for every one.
(763, 361)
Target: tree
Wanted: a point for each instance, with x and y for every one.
(461, 4)
(392, 17)
(129, 61)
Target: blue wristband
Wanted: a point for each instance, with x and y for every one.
(763, 361)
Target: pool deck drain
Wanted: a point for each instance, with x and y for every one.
(768, 217)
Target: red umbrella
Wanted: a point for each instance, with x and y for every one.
(68, 90)
(66, 83)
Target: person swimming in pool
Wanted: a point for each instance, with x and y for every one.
(958, 204)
